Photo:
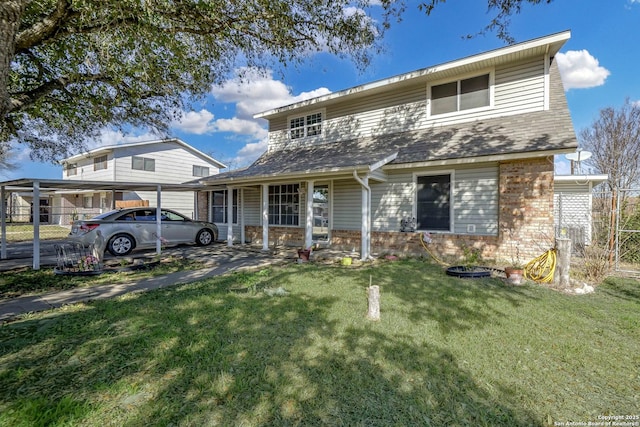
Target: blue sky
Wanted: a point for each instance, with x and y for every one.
(599, 65)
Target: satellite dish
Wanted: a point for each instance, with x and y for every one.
(577, 157)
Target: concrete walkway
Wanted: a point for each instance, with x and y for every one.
(223, 260)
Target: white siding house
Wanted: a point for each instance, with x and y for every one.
(169, 161)
(463, 150)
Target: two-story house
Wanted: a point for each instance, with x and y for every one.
(167, 161)
(463, 150)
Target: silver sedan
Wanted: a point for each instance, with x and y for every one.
(125, 229)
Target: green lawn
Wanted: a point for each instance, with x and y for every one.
(26, 281)
(446, 352)
(20, 233)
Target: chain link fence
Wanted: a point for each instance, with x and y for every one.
(604, 229)
(55, 222)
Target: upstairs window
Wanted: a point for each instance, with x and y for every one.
(72, 169)
(305, 126)
(100, 163)
(460, 95)
(201, 171)
(143, 164)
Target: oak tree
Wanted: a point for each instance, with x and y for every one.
(69, 68)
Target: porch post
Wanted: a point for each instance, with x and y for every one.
(113, 199)
(3, 224)
(241, 216)
(308, 236)
(158, 220)
(364, 239)
(36, 225)
(229, 216)
(265, 217)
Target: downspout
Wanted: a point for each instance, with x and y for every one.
(366, 225)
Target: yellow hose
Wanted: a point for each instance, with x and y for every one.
(541, 268)
(426, 248)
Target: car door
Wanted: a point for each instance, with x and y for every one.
(145, 227)
(175, 228)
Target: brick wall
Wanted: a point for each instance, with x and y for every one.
(279, 236)
(526, 208)
(203, 206)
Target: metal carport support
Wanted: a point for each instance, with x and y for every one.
(36, 185)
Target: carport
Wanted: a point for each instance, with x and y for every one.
(36, 186)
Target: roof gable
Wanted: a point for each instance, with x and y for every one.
(110, 148)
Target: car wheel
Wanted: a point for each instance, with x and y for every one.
(120, 245)
(205, 237)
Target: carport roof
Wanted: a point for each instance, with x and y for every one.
(26, 184)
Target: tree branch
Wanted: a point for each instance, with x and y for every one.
(45, 28)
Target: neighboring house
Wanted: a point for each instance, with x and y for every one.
(167, 161)
(573, 207)
(465, 147)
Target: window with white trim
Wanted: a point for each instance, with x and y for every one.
(143, 164)
(87, 201)
(460, 95)
(433, 202)
(284, 204)
(100, 163)
(305, 126)
(219, 206)
(201, 171)
(72, 169)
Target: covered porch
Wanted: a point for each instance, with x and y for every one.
(297, 205)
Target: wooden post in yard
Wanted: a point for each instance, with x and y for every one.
(561, 277)
(373, 293)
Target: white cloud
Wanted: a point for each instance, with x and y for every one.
(580, 70)
(114, 137)
(562, 167)
(241, 126)
(636, 103)
(195, 122)
(253, 91)
(250, 152)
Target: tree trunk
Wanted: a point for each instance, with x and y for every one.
(10, 14)
(562, 278)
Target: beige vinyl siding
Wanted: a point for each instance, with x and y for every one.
(518, 88)
(252, 206)
(476, 200)
(347, 202)
(392, 201)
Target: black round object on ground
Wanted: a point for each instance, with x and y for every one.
(469, 272)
